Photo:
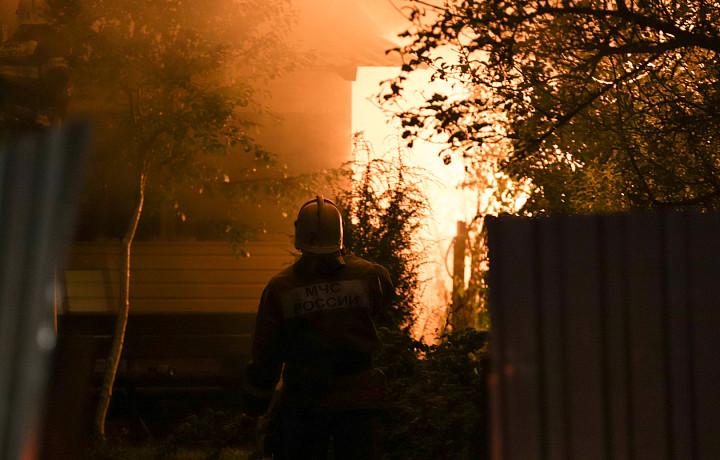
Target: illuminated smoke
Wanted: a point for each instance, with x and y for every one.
(448, 202)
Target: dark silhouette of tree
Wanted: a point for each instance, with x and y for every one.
(607, 105)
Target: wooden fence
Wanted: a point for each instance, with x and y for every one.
(606, 337)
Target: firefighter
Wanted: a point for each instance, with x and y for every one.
(314, 326)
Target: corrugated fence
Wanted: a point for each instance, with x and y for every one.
(606, 336)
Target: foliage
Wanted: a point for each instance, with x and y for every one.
(383, 209)
(437, 395)
(115, 451)
(436, 392)
(173, 86)
(437, 408)
(605, 105)
(208, 434)
(474, 296)
(218, 430)
(496, 194)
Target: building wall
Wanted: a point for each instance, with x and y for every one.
(171, 277)
(313, 122)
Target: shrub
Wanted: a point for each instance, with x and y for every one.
(437, 396)
(437, 392)
(382, 211)
(216, 431)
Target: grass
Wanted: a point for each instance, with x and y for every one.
(115, 451)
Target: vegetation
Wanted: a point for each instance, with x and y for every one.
(438, 403)
(109, 451)
(437, 392)
(173, 87)
(383, 209)
(173, 84)
(603, 106)
(222, 432)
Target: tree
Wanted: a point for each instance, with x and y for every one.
(173, 85)
(604, 105)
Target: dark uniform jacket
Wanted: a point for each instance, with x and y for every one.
(315, 318)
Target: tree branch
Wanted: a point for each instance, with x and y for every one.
(640, 48)
(430, 5)
(565, 118)
(711, 43)
(687, 202)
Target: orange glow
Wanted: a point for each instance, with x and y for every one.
(448, 202)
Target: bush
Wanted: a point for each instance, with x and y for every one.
(437, 396)
(437, 392)
(382, 212)
(216, 431)
(207, 435)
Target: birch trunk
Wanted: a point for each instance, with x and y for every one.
(122, 315)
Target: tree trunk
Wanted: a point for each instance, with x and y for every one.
(122, 315)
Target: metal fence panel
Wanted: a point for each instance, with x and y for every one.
(606, 331)
(704, 311)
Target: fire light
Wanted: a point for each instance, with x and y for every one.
(448, 202)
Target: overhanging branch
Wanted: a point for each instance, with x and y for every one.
(687, 38)
(566, 117)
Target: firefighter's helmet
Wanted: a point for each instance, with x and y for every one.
(319, 228)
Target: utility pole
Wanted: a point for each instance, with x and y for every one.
(461, 317)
